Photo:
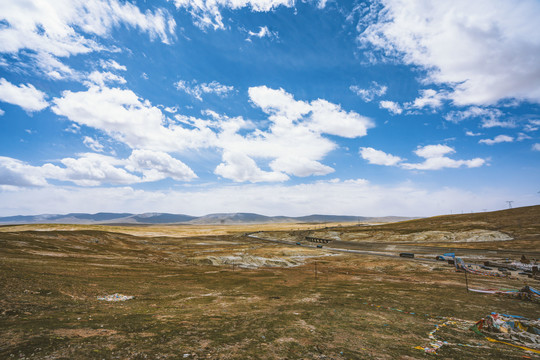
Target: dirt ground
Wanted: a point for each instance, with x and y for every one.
(258, 300)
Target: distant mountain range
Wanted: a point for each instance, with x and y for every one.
(166, 218)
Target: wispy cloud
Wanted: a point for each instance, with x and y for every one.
(369, 94)
(197, 90)
(497, 140)
(263, 32)
(207, 13)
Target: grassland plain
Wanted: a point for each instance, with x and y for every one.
(328, 306)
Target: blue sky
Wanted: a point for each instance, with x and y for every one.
(278, 107)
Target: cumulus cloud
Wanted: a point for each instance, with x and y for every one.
(91, 169)
(26, 96)
(536, 147)
(207, 13)
(436, 158)
(155, 165)
(375, 90)
(470, 133)
(197, 90)
(240, 167)
(393, 107)
(292, 144)
(498, 139)
(485, 50)
(379, 157)
(128, 119)
(17, 173)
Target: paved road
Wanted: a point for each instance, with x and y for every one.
(340, 249)
(393, 249)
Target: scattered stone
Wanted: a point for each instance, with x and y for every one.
(115, 297)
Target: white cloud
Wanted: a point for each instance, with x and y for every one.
(436, 159)
(2, 112)
(93, 144)
(431, 151)
(536, 147)
(533, 125)
(197, 90)
(17, 173)
(293, 142)
(375, 90)
(25, 96)
(470, 133)
(498, 139)
(51, 27)
(111, 64)
(90, 170)
(54, 68)
(490, 117)
(171, 110)
(156, 165)
(428, 98)
(62, 28)
(207, 12)
(73, 128)
(485, 50)
(103, 78)
(128, 119)
(299, 166)
(393, 107)
(379, 157)
(351, 197)
(278, 102)
(240, 167)
(93, 169)
(263, 32)
(523, 136)
(331, 119)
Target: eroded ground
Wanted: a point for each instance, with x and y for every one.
(232, 297)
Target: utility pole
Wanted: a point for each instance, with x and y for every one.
(509, 203)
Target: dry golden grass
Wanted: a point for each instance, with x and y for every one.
(173, 230)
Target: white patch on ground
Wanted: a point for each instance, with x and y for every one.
(249, 261)
(469, 236)
(252, 262)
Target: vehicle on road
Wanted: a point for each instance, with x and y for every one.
(446, 257)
